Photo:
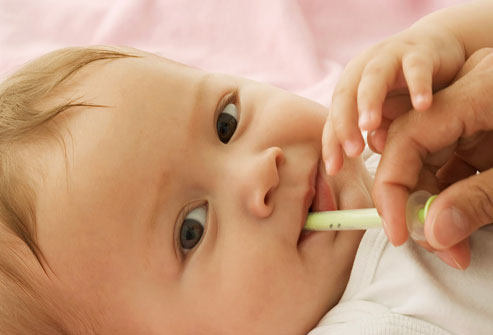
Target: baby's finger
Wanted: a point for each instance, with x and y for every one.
(344, 114)
(397, 103)
(331, 150)
(377, 79)
(418, 72)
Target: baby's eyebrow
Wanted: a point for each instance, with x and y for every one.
(201, 95)
(202, 89)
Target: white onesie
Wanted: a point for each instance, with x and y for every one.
(407, 290)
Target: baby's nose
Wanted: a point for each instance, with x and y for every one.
(263, 181)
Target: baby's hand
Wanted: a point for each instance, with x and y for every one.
(385, 81)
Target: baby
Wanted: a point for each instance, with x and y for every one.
(142, 196)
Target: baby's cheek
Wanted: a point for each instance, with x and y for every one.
(245, 298)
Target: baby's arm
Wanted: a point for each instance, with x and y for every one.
(401, 73)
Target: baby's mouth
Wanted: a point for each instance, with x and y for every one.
(323, 199)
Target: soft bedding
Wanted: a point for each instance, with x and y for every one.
(299, 45)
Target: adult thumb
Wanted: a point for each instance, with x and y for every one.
(459, 210)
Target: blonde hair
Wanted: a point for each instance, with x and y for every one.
(27, 305)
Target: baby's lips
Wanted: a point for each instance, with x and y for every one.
(324, 199)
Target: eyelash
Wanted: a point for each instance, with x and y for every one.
(231, 97)
(181, 218)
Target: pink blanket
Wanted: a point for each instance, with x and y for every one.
(298, 45)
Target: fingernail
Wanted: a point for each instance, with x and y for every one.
(384, 225)
(328, 166)
(449, 227)
(386, 229)
(419, 100)
(350, 148)
(448, 259)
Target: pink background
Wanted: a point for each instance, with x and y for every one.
(298, 45)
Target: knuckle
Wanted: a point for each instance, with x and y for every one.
(413, 61)
(340, 132)
(478, 106)
(396, 128)
(354, 62)
(341, 129)
(341, 92)
(472, 105)
(482, 54)
(374, 68)
(334, 118)
(483, 208)
(403, 128)
(488, 55)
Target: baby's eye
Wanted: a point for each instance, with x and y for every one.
(193, 226)
(227, 122)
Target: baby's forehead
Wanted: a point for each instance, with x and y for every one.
(122, 81)
(133, 92)
(121, 90)
(131, 74)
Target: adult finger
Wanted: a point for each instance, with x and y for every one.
(454, 170)
(476, 58)
(396, 104)
(476, 150)
(459, 210)
(406, 149)
(457, 256)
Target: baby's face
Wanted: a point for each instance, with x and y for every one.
(170, 225)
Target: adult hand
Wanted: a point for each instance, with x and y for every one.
(445, 145)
